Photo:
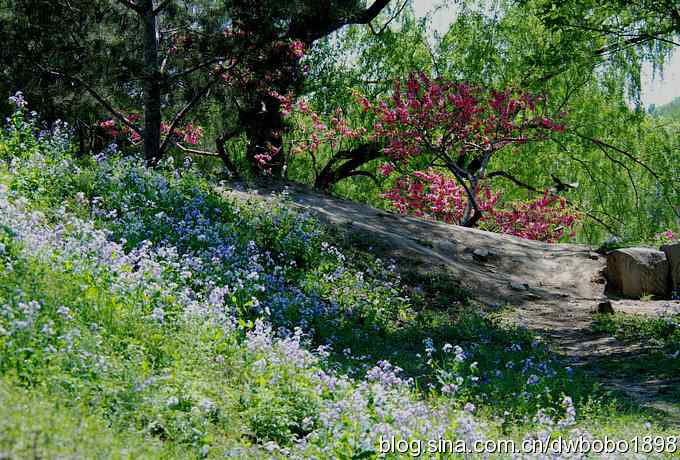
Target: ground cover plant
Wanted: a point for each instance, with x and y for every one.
(145, 315)
(659, 338)
(156, 303)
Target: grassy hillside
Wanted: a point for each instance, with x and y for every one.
(143, 315)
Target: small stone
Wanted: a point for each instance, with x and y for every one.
(515, 286)
(594, 255)
(605, 308)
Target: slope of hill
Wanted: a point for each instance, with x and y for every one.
(143, 314)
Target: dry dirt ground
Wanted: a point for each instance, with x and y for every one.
(551, 289)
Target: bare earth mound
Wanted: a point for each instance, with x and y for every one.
(504, 269)
(554, 288)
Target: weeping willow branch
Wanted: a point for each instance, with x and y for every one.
(602, 144)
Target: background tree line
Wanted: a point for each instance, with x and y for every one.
(156, 67)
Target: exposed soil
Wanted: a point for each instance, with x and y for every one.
(553, 289)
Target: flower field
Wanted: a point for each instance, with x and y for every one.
(145, 315)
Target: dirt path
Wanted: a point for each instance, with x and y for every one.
(551, 289)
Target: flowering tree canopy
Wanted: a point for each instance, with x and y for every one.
(457, 126)
(429, 126)
(435, 195)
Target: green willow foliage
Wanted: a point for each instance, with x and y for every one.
(622, 164)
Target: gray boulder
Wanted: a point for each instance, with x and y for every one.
(672, 252)
(635, 272)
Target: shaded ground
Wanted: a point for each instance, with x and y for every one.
(553, 290)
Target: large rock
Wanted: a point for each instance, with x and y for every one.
(672, 252)
(635, 272)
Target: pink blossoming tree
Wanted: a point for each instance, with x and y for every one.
(457, 127)
(439, 138)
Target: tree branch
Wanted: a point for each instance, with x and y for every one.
(513, 179)
(118, 115)
(330, 25)
(221, 153)
(196, 151)
(372, 12)
(226, 159)
(183, 113)
(518, 182)
(629, 155)
(200, 66)
(355, 158)
(387, 24)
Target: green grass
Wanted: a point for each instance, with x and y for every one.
(36, 425)
(88, 370)
(655, 345)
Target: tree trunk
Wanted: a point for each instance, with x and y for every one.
(224, 156)
(353, 159)
(152, 86)
(264, 127)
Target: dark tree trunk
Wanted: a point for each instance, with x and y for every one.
(152, 86)
(224, 156)
(264, 128)
(353, 159)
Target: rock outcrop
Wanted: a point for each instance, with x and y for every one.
(635, 272)
(672, 252)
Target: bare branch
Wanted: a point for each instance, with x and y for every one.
(195, 151)
(183, 113)
(387, 24)
(629, 155)
(371, 13)
(355, 158)
(118, 115)
(221, 153)
(513, 179)
(199, 66)
(327, 27)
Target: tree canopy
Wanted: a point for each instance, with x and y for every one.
(226, 79)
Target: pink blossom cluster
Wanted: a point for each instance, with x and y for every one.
(665, 237)
(452, 119)
(264, 160)
(190, 134)
(546, 219)
(433, 195)
(116, 129)
(297, 49)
